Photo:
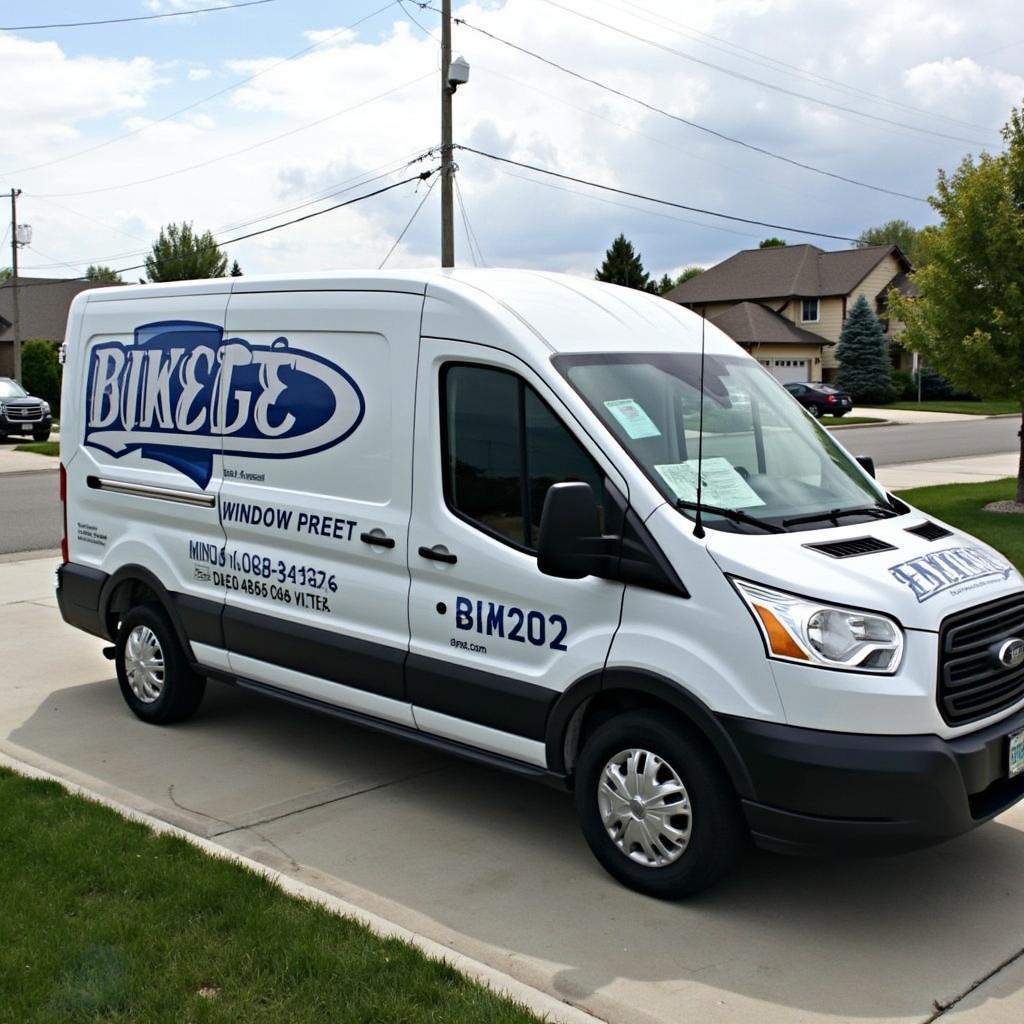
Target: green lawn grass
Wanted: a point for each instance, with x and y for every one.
(102, 920)
(962, 505)
(40, 447)
(970, 408)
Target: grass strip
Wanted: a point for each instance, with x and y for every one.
(848, 421)
(41, 448)
(962, 505)
(969, 408)
(103, 920)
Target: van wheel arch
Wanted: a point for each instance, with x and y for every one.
(129, 587)
(599, 697)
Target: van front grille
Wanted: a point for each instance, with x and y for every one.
(972, 682)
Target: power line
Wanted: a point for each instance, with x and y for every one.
(782, 67)
(652, 199)
(471, 238)
(732, 73)
(141, 17)
(236, 152)
(422, 176)
(408, 225)
(682, 120)
(205, 99)
(360, 181)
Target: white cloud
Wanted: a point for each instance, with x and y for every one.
(198, 74)
(922, 55)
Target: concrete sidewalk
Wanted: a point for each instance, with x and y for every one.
(494, 867)
(948, 471)
(12, 461)
(912, 415)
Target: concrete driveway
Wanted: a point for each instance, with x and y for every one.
(495, 867)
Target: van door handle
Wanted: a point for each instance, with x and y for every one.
(438, 553)
(377, 538)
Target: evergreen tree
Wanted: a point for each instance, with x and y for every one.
(100, 273)
(666, 284)
(623, 265)
(772, 243)
(236, 270)
(864, 367)
(180, 254)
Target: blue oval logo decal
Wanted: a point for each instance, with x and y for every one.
(183, 393)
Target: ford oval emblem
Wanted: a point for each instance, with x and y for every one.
(1011, 654)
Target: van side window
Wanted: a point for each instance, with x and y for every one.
(502, 449)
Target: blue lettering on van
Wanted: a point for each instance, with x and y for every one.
(511, 623)
(182, 393)
(934, 573)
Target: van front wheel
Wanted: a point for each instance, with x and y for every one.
(656, 807)
(152, 670)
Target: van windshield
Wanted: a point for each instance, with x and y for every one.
(764, 458)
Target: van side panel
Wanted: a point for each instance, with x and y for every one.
(316, 536)
(138, 445)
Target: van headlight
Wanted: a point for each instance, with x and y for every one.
(802, 630)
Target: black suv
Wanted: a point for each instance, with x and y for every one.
(20, 413)
(820, 399)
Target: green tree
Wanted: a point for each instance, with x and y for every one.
(6, 273)
(864, 367)
(236, 270)
(772, 243)
(623, 265)
(968, 321)
(894, 232)
(179, 254)
(688, 273)
(41, 371)
(102, 274)
(665, 285)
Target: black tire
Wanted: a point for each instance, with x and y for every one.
(718, 834)
(181, 691)
(815, 411)
(39, 436)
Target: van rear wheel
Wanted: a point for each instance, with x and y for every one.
(156, 680)
(656, 807)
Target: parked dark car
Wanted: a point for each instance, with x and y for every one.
(820, 399)
(20, 413)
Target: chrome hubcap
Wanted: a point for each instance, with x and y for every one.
(645, 808)
(144, 664)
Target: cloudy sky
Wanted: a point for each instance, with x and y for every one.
(94, 138)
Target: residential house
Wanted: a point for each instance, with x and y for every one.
(786, 305)
(43, 304)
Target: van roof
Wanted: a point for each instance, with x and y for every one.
(561, 312)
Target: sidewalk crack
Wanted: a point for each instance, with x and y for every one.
(943, 1007)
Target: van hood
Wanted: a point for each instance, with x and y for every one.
(916, 580)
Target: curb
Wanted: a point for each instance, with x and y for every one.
(540, 1003)
(863, 426)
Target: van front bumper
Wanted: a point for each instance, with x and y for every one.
(820, 792)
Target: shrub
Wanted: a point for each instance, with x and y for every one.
(41, 371)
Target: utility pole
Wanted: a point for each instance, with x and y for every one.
(16, 326)
(447, 164)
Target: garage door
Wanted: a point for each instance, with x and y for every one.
(790, 371)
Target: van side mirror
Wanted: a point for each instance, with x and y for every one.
(867, 464)
(570, 539)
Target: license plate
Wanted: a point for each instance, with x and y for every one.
(1016, 753)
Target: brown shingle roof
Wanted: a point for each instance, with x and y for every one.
(750, 323)
(804, 271)
(43, 307)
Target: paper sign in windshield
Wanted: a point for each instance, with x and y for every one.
(721, 484)
(631, 417)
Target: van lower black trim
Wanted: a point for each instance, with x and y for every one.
(483, 698)
(322, 653)
(78, 597)
(439, 743)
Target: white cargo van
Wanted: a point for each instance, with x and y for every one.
(462, 507)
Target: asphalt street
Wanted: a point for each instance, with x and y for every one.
(29, 512)
(920, 442)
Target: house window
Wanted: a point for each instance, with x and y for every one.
(809, 311)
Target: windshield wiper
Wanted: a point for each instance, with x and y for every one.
(730, 513)
(879, 511)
